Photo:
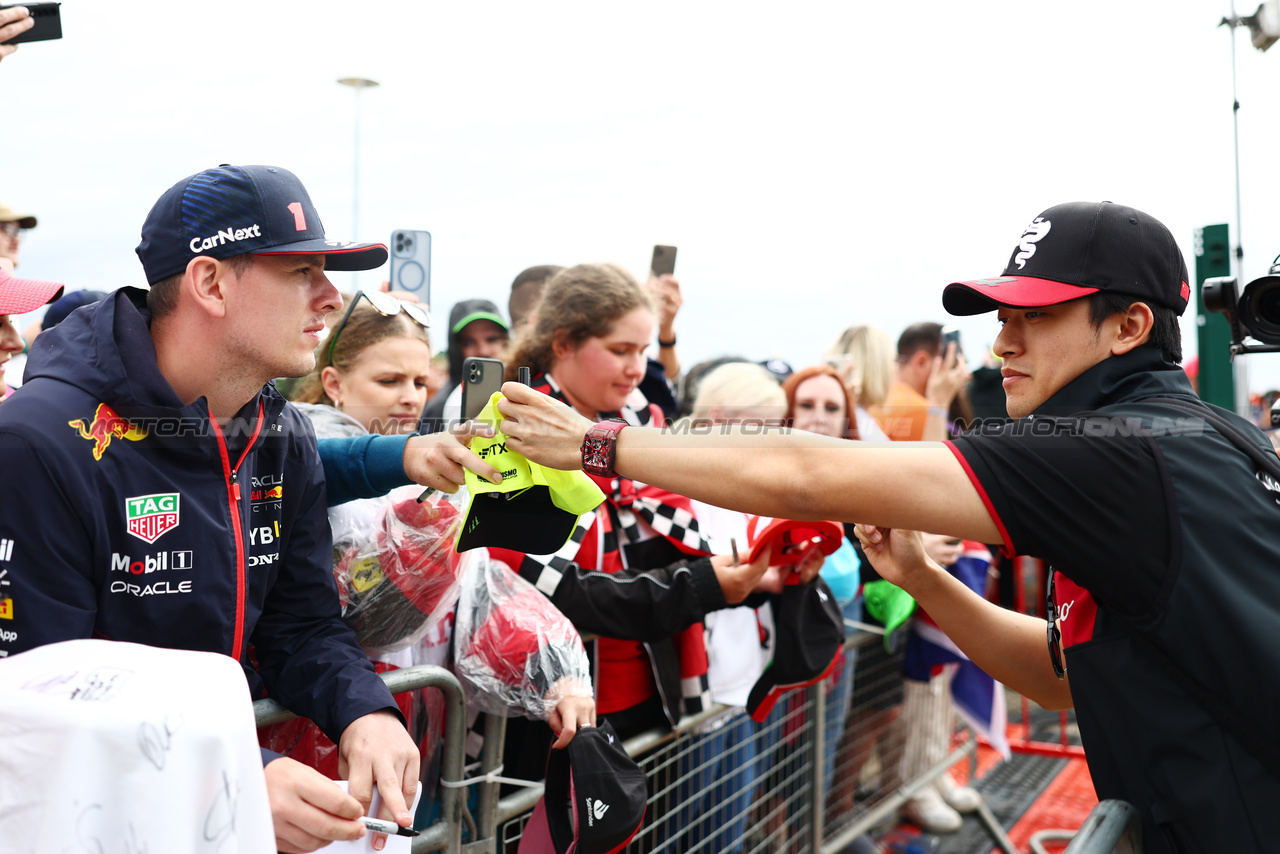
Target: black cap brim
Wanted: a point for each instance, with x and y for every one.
(529, 522)
(343, 257)
(808, 632)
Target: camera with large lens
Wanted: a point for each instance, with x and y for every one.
(1254, 315)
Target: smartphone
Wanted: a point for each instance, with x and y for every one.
(950, 335)
(411, 263)
(48, 22)
(664, 261)
(480, 379)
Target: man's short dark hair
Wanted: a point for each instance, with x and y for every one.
(162, 299)
(1166, 335)
(917, 337)
(523, 300)
(536, 274)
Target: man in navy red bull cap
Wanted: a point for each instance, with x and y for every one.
(175, 499)
(1157, 512)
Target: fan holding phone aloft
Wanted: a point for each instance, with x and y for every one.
(667, 300)
(29, 22)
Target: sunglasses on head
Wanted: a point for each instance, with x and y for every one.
(384, 304)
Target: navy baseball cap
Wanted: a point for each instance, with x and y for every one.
(1077, 249)
(242, 210)
(61, 308)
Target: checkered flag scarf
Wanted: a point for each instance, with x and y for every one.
(628, 501)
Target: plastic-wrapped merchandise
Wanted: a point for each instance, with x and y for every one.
(398, 580)
(393, 561)
(513, 651)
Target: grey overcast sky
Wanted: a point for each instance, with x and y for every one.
(818, 164)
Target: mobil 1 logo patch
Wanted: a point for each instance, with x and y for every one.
(162, 562)
(150, 517)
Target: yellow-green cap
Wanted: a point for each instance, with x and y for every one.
(533, 510)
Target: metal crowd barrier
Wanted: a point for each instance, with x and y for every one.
(445, 834)
(1112, 826)
(721, 783)
(814, 776)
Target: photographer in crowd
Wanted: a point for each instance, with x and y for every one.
(1164, 605)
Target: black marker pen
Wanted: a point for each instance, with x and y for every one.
(380, 826)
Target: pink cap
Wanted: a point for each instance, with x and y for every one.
(18, 296)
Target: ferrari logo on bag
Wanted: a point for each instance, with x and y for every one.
(152, 516)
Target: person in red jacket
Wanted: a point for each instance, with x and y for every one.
(637, 571)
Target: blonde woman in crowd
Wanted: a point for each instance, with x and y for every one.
(865, 359)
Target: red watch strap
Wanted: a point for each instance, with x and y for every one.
(599, 447)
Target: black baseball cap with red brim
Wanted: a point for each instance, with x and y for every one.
(808, 632)
(1080, 248)
(593, 801)
(242, 210)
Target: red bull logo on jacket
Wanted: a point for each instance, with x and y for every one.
(152, 516)
(104, 427)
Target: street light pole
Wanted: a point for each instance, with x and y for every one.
(1263, 33)
(358, 85)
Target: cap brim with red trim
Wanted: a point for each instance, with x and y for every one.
(343, 257)
(791, 540)
(983, 295)
(536, 838)
(19, 296)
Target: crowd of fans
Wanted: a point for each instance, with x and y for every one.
(674, 618)
(675, 621)
(648, 612)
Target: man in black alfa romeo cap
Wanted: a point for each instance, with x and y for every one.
(173, 498)
(1164, 536)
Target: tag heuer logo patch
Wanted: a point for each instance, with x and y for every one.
(152, 516)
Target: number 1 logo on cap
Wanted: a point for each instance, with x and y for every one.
(299, 221)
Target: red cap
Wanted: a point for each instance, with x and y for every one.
(792, 541)
(18, 296)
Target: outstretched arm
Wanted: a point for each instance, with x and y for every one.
(371, 466)
(667, 296)
(918, 486)
(1012, 647)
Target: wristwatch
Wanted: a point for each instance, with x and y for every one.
(600, 446)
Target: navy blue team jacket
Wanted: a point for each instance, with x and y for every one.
(128, 516)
